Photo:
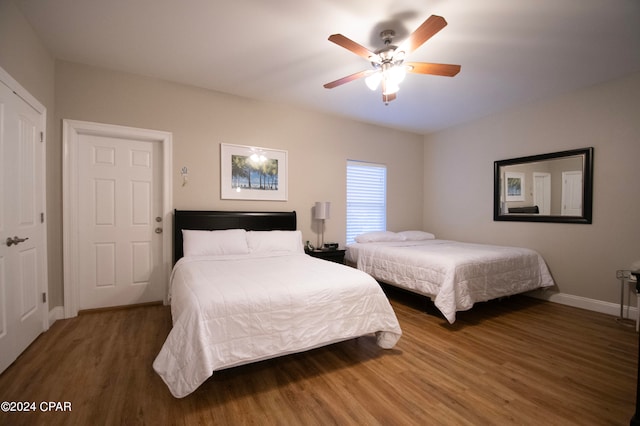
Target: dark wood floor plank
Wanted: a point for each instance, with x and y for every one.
(515, 361)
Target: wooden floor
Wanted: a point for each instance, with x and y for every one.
(515, 361)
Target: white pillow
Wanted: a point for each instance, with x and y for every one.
(378, 236)
(417, 235)
(275, 241)
(214, 243)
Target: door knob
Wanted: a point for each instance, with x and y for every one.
(158, 230)
(15, 240)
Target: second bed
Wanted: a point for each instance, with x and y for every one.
(455, 275)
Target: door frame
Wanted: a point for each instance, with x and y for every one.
(22, 93)
(71, 132)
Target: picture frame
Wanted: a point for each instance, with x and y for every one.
(253, 173)
(514, 186)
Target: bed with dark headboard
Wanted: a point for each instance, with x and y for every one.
(242, 290)
(209, 220)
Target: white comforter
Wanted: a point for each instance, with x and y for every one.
(455, 275)
(232, 310)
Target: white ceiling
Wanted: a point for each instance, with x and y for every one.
(511, 51)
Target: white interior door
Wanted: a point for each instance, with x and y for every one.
(571, 193)
(23, 307)
(542, 192)
(119, 199)
(117, 208)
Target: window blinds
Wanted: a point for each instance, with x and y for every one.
(366, 198)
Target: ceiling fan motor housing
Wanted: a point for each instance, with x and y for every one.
(387, 54)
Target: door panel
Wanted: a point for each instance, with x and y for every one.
(3, 305)
(572, 193)
(542, 192)
(119, 195)
(22, 266)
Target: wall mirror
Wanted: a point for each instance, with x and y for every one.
(554, 187)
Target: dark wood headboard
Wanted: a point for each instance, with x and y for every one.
(217, 220)
(527, 209)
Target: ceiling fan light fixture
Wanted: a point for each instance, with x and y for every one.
(373, 81)
(397, 73)
(399, 56)
(390, 87)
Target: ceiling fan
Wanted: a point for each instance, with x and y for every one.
(389, 66)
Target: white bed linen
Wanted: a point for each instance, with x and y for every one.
(455, 275)
(236, 309)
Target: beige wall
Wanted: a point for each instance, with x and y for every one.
(583, 258)
(26, 59)
(318, 145)
(456, 176)
(200, 120)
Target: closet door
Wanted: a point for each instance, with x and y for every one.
(23, 307)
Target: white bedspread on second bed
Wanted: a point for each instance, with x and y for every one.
(455, 275)
(232, 310)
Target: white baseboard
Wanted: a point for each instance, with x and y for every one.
(613, 309)
(608, 308)
(55, 314)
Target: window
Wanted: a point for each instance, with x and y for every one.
(366, 198)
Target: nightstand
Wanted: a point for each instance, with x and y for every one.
(330, 255)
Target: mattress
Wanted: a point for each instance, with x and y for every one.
(235, 309)
(453, 274)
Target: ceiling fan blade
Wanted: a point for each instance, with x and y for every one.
(424, 32)
(347, 79)
(354, 47)
(445, 70)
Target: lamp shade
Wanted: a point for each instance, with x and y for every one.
(322, 210)
(373, 81)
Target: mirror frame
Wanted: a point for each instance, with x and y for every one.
(587, 188)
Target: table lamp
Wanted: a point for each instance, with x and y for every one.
(322, 212)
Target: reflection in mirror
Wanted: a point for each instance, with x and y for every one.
(555, 187)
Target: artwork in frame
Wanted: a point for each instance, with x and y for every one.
(514, 186)
(252, 173)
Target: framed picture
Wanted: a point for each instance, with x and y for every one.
(252, 173)
(514, 186)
